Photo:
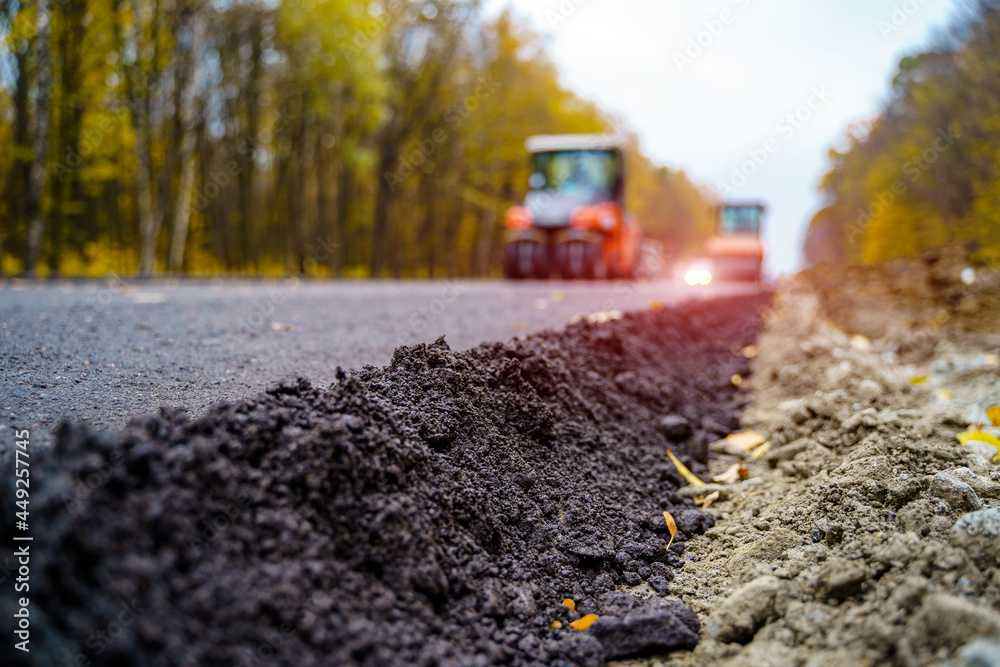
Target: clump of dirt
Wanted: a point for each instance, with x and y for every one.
(433, 512)
(941, 287)
(865, 533)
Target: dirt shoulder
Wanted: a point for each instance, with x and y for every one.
(864, 532)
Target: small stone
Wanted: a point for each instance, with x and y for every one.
(955, 492)
(980, 652)
(947, 622)
(745, 611)
(984, 449)
(674, 428)
(984, 487)
(979, 534)
(659, 584)
(603, 582)
(657, 626)
(841, 578)
(521, 601)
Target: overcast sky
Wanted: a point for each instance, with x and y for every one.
(710, 85)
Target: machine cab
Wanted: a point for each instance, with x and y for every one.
(568, 172)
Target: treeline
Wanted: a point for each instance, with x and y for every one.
(326, 137)
(926, 171)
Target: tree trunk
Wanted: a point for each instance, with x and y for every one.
(345, 179)
(388, 153)
(248, 176)
(188, 143)
(297, 166)
(36, 177)
(65, 188)
(484, 248)
(148, 221)
(18, 181)
(427, 240)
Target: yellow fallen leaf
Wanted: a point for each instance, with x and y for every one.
(585, 622)
(555, 625)
(745, 440)
(688, 476)
(994, 415)
(736, 379)
(760, 451)
(750, 351)
(733, 474)
(570, 603)
(919, 379)
(966, 437)
(706, 501)
(671, 526)
(945, 394)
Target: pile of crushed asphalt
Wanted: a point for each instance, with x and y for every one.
(864, 533)
(433, 512)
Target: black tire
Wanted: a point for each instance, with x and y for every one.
(578, 260)
(525, 259)
(542, 262)
(512, 262)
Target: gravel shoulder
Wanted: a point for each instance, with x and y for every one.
(864, 534)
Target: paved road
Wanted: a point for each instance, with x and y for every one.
(106, 351)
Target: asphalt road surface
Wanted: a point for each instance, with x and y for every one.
(103, 352)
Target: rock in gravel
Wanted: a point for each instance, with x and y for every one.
(768, 548)
(674, 428)
(841, 578)
(745, 611)
(979, 534)
(947, 622)
(984, 487)
(980, 652)
(955, 492)
(656, 626)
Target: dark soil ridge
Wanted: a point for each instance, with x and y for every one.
(435, 511)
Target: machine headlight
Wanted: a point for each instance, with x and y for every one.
(698, 277)
(607, 222)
